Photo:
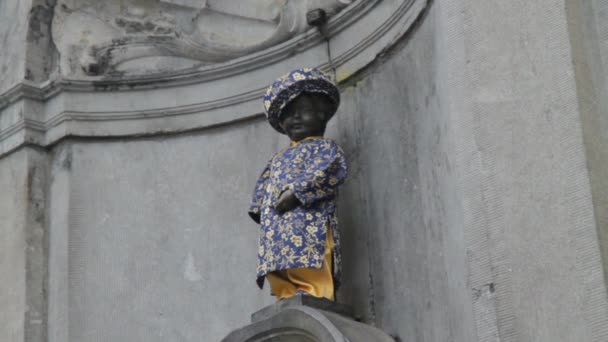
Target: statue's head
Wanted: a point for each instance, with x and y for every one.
(306, 116)
(301, 103)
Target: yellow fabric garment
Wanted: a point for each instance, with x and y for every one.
(317, 282)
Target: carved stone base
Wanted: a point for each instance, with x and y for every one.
(306, 319)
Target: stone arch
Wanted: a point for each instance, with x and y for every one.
(209, 95)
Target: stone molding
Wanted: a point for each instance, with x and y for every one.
(111, 106)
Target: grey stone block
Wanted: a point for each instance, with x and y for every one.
(308, 301)
(299, 319)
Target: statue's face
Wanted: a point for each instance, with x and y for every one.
(302, 118)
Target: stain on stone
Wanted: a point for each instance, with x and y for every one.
(67, 162)
(63, 160)
(40, 18)
(372, 299)
(66, 8)
(29, 75)
(30, 178)
(163, 30)
(106, 86)
(131, 26)
(486, 290)
(102, 58)
(94, 69)
(35, 193)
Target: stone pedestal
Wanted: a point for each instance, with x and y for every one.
(306, 319)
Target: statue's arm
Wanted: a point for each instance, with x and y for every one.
(258, 194)
(325, 172)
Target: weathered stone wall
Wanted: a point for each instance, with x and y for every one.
(404, 250)
(13, 32)
(480, 137)
(13, 204)
(23, 251)
(159, 244)
(531, 237)
(27, 49)
(589, 38)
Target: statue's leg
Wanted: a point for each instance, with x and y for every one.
(316, 282)
(280, 285)
(310, 281)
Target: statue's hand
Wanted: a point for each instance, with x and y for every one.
(286, 202)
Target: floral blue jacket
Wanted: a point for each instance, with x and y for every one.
(313, 169)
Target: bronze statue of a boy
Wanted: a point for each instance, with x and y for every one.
(295, 197)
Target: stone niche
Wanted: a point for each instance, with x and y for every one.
(124, 254)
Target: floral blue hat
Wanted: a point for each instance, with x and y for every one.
(291, 85)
